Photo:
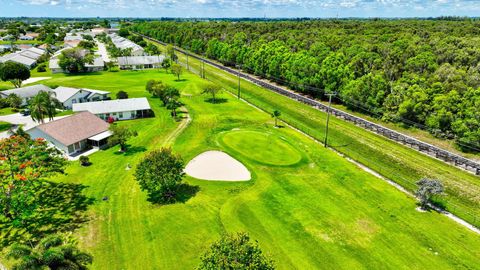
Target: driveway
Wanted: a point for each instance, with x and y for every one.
(102, 50)
(17, 119)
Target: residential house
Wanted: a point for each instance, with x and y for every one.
(99, 31)
(27, 57)
(69, 96)
(26, 93)
(140, 62)
(118, 109)
(74, 134)
(123, 43)
(97, 65)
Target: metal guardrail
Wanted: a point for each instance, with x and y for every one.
(423, 147)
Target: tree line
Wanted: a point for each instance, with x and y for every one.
(419, 72)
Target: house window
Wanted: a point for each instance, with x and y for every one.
(70, 148)
(77, 146)
(74, 101)
(120, 115)
(114, 114)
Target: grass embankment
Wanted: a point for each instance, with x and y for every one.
(396, 162)
(4, 126)
(310, 209)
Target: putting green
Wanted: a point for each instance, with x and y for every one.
(261, 147)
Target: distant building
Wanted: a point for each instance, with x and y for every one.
(118, 109)
(97, 65)
(26, 93)
(140, 62)
(75, 133)
(123, 43)
(99, 31)
(27, 57)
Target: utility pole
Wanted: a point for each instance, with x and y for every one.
(238, 73)
(186, 53)
(330, 95)
(203, 66)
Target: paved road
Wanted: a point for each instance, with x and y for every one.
(102, 50)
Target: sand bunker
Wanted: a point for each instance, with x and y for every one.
(218, 166)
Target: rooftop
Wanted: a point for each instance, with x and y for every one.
(28, 91)
(75, 128)
(64, 93)
(111, 106)
(140, 60)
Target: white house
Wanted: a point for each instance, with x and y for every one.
(26, 93)
(140, 62)
(69, 96)
(118, 109)
(97, 65)
(28, 57)
(74, 134)
(123, 43)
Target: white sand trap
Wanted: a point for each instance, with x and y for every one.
(35, 79)
(218, 166)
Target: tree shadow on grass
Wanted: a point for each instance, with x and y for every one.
(61, 208)
(216, 101)
(183, 193)
(132, 150)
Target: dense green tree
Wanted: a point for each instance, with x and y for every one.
(120, 136)
(235, 251)
(122, 95)
(14, 73)
(23, 163)
(160, 173)
(74, 60)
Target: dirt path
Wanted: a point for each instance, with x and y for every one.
(172, 136)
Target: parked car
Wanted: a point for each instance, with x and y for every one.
(25, 112)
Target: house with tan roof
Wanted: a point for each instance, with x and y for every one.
(74, 134)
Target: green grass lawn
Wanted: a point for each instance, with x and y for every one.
(4, 126)
(308, 207)
(5, 111)
(396, 162)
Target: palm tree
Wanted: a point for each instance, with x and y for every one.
(52, 253)
(44, 105)
(275, 115)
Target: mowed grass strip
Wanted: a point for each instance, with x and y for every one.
(322, 212)
(395, 161)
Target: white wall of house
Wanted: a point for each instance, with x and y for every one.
(79, 97)
(37, 133)
(127, 115)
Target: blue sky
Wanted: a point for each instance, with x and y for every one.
(238, 8)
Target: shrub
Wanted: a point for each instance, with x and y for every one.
(42, 68)
(122, 95)
(84, 160)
